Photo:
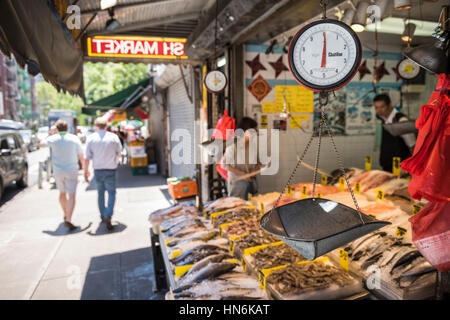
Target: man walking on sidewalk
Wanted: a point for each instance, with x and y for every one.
(104, 149)
(66, 150)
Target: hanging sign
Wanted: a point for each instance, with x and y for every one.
(136, 47)
(264, 121)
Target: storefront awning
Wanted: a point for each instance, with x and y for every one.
(32, 31)
(127, 98)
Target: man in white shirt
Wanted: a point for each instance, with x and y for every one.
(401, 146)
(104, 149)
(66, 150)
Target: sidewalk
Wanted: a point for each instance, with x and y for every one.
(39, 259)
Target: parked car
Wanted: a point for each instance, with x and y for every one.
(42, 133)
(31, 140)
(13, 160)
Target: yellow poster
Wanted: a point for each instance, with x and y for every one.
(298, 98)
(264, 121)
(270, 107)
(297, 121)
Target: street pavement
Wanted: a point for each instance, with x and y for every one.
(40, 259)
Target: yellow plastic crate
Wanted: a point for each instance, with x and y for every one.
(138, 162)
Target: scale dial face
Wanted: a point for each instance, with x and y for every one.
(408, 69)
(325, 55)
(215, 81)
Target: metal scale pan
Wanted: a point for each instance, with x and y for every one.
(316, 226)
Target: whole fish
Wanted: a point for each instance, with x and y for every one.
(189, 231)
(405, 259)
(203, 236)
(200, 247)
(392, 253)
(205, 261)
(211, 270)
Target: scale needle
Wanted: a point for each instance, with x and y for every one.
(324, 52)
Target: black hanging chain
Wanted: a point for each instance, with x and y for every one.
(215, 37)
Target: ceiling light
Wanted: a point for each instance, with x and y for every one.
(105, 4)
(432, 58)
(382, 4)
(402, 4)
(221, 62)
(347, 18)
(396, 25)
(360, 18)
(112, 23)
(408, 32)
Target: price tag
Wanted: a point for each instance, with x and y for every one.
(168, 240)
(380, 194)
(368, 163)
(358, 188)
(341, 184)
(243, 264)
(289, 191)
(204, 213)
(343, 259)
(396, 166)
(319, 195)
(175, 254)
(181, 270)
(235, 261)
(249, 196)
(371, 215)
(231, 250)
(416, 209)
(324, 180)
(262, 279)
(400, 232)
(304, 190)
(262, 208)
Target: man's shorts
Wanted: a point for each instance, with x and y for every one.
(67, 181)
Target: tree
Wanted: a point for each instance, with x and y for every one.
(104, 79)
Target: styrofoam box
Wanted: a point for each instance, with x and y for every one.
(152, 168)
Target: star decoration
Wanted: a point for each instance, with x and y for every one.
(363, 70)
(255, 65)
(278, 66)
(379, 72)
(397, 74)
(260, 88)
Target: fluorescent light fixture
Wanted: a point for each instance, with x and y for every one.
(408, 32)
(360, 18)
(396, 26)
(221, 62)
(402, 4)
(105, 4)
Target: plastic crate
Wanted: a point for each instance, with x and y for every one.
(138, 162)
(139, 171)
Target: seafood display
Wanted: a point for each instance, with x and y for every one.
(254, 239)
(242, 227)
(299, 278)
(224, 204)
(236, 215)
(273, 256)
(205, 251)
(196, 254)
(230, 286)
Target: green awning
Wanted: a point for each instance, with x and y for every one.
(115, 100)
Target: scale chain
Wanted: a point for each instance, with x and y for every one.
(293, 171)
(341, 166)
(316, 167)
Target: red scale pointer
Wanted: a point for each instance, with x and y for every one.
(324, 52)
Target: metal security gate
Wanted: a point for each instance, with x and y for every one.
(182, 122)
